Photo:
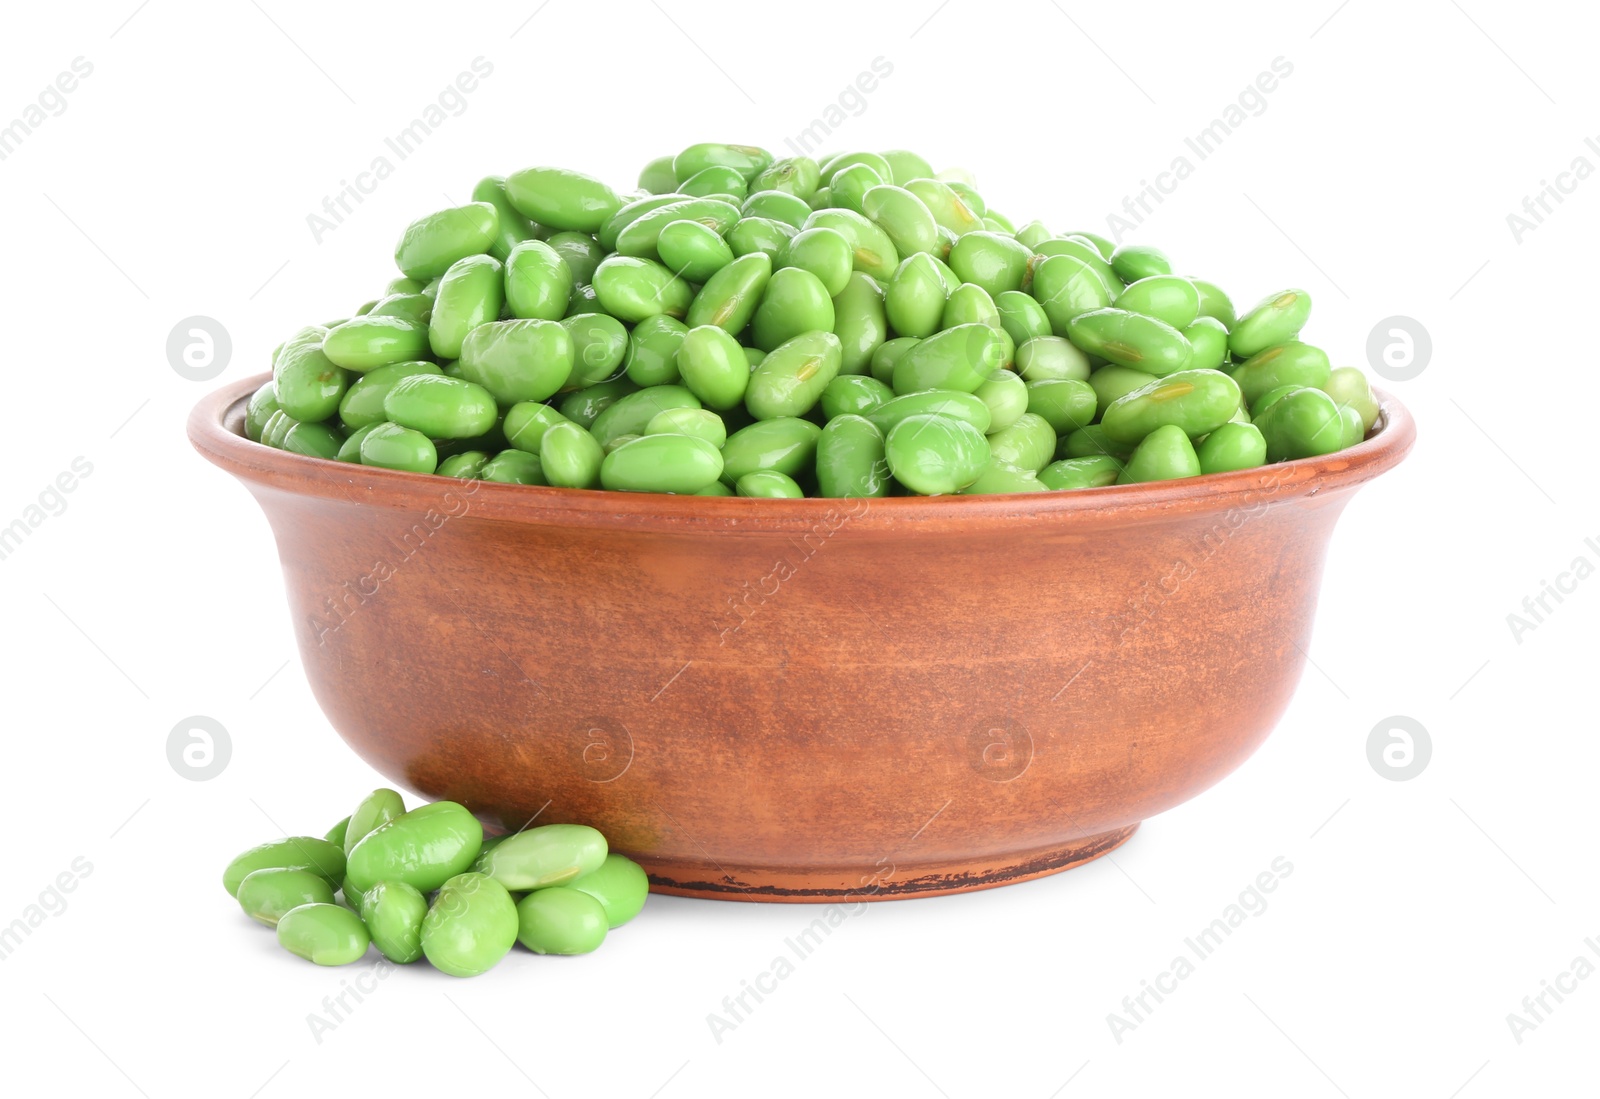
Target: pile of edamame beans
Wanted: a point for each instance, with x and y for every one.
(852, 327)
(427, 883)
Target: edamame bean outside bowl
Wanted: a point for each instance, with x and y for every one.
(804, 699)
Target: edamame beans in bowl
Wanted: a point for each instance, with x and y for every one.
(852, 326)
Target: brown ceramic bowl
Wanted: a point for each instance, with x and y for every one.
(804, 700)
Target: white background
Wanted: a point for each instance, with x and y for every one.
(1419, 913)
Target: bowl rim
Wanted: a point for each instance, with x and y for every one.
(215, 428)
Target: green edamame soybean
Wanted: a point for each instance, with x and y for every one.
(797, 175)
(641, 235)
(692, 250)
(1066, 288)
(1169, 298)
(902, 216)
(790, 380)
(518, 360)
(871, 250)
(729, 298)
(431, 244)
(713, 366)
(661, 463)
(371, 813)
(560, 198)
(914, 297)
(961, 358)
(848, 187)
(1164, 455)
(701, 423)
(470, 926)
(1002, 478)
(1066, 404)
(1209, 341)
(513, 467)
(905, 166)
(776, 206)
(363, 343)
(1006, 396)
(561, 921)
(441, 407)
(619, 884)
(1276, 318)
(323, 933)
(794, 302)
(1348, 387)
(1044, 358)
(1096, 471)
(585, 405)
(350, 449)
(362, 403)
(747, 161)
(1214, 303)
(1029, 443)
(1133, 262)
(1231, 447)
(468, 465)
(859, 322)
(768, 484)
(632, 413)
(1131, 339)
(850, 459)
(652, 351)
(786, 444)
(599, 345)
(423, 848)
(1112, 381)
(954, 403)
(715, 181)
(267, 894)
(764, 235)
(935, 455)
(538, 282)
(632, 289)
(526, 423)
(512, 227)
(313, 441)
(258, 409)
(823, 252)
(853, 394)
(1195, 401)
(393, 912)
(1303, 423)
(390, 446)
(1288, 363)
(570, 457)
(1022, 317)
(948, 208)
(994, 261)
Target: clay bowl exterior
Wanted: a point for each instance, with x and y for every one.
(804, 700)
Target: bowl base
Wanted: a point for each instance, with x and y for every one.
(823, 886)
